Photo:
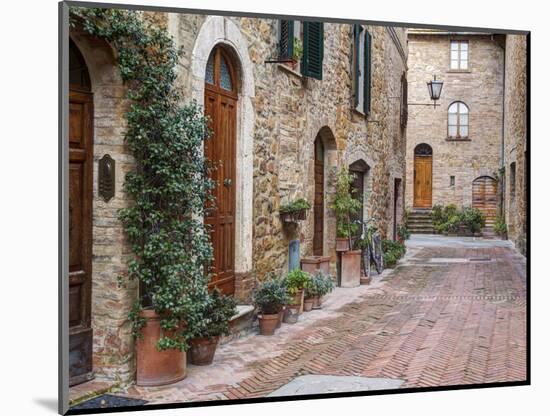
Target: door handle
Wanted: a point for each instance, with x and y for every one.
(227, 182)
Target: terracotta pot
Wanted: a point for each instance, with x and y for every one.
(300, 215)
(287, 217)
(342, 244)
(202, 350)
(154, 367)
(298, 300)
(316, 302)
(316, 264)
(281, 314)
(291, 314)
(351, 268)
(308, 304)
(268, 323)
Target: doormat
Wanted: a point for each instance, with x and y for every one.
(108, 400)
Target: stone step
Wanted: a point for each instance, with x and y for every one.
(240, 324)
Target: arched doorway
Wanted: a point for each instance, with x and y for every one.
(318, 201)
(220, 105)
(422, 176)
(80, 217)
(484, 197)
(359, 170)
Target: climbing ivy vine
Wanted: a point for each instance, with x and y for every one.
(170, 186)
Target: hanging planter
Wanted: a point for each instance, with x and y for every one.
(294, 212)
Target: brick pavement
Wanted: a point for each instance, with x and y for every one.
(445, 316)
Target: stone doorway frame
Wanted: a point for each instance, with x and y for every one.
(215, 31)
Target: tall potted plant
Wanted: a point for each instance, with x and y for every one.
(169, 188)
(344, 206)
(208, 325)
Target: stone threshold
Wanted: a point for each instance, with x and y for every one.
(89, 390)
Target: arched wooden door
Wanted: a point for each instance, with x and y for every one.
(422, 176)
(484, 197)
(318, 202)
(80, 218)
(220, 102)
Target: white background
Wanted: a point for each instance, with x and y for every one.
(28, 206)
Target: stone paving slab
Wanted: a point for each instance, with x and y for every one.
(426, 323)
(318, 384)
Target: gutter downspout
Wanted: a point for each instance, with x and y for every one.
(501, 172)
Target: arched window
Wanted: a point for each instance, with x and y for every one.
(458, 121)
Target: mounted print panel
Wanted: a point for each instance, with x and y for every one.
(290, 208)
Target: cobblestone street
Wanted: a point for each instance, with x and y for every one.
(453, 312)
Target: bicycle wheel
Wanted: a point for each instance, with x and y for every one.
(377, 254)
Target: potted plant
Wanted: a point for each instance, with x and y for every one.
(317, 287)
(269, 298)
(473, 219)
(344, 206)
(500, 227)
(297, 52)
(208, 325)
(295, 281)
(403, 233)
(294, 211)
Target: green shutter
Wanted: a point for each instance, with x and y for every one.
(286, 39)
(312, 60)
(356, 53)
(367, 73)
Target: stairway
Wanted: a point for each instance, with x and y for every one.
(419, 221)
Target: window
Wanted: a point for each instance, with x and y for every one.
(362, 40)
(459, 55)
(303, 42)
(452, 181)
(512, 181)
(458, 121)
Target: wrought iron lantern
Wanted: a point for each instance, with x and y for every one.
(434, 88)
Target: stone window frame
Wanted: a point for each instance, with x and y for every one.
(297, 34)
(458, 125)
(459, 60)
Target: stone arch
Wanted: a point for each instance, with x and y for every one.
(219, 30)
(359, 158)
(113, 342)
(330, 162)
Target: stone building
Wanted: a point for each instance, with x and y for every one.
(453, 150)
(289, 127)
(514, 166)
(471, 150)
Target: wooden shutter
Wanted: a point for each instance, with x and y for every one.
(356, 69)
(312, 61)
(367, 73)
(286, 39)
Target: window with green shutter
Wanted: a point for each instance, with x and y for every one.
(286, 39)
(367, 73)
(313, 43)
(357, 72)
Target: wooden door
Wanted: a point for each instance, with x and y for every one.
(358, 170)
(80, 235)
(220, 150)
(318, 203)
(484, 197)
(422, 181)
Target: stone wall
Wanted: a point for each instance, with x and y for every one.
(480, 88)
(283, 113)
(515, 138)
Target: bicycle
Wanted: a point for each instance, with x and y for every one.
(370, 243)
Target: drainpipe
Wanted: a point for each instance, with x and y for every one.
(501, 164)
